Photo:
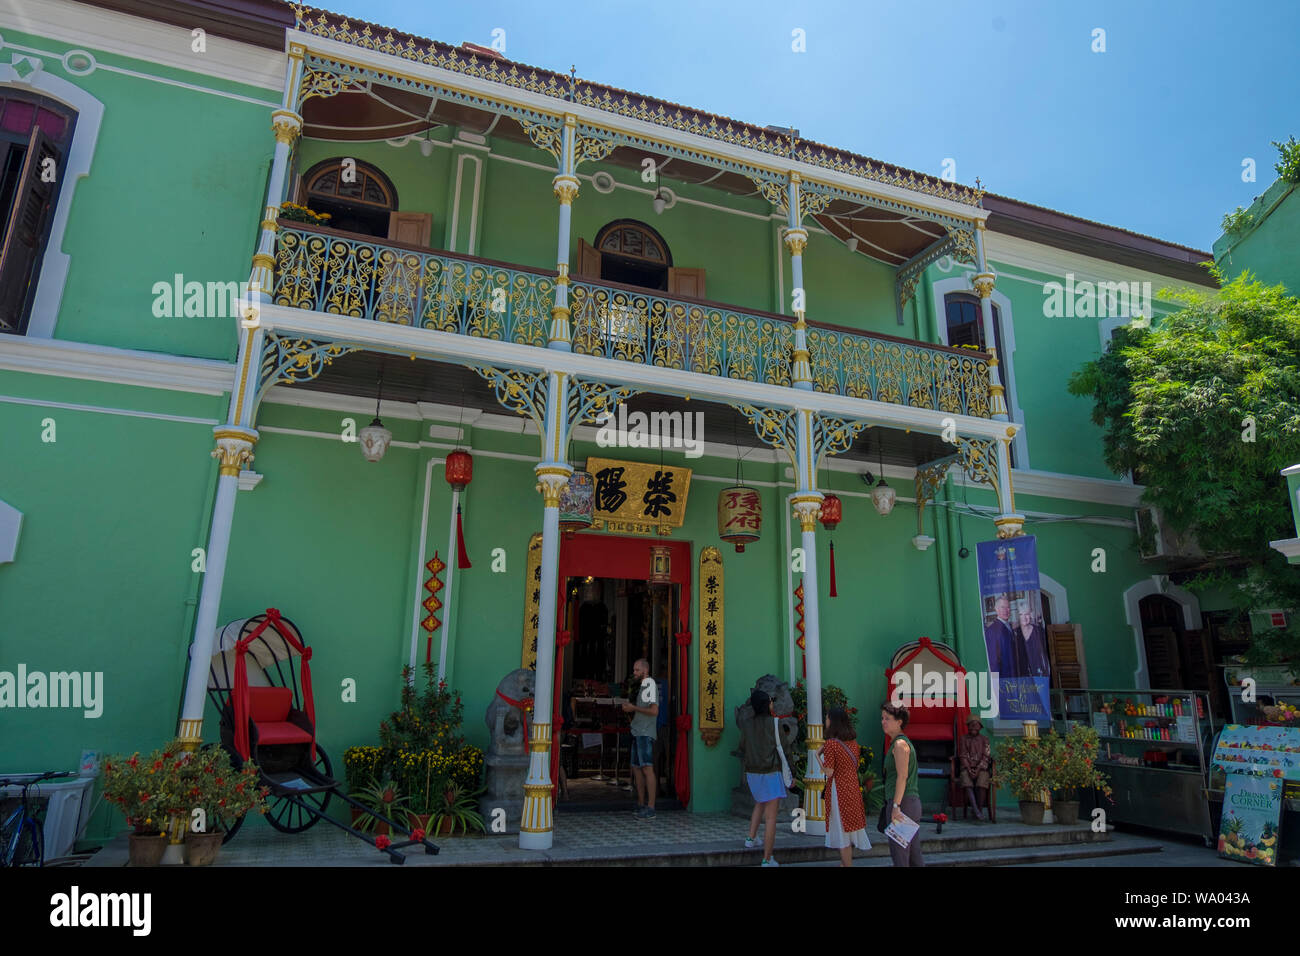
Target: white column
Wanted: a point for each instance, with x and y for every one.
(565, 186)
(536, 829)
(796, 238)
(983, 283)
(235, 450)
(1009, 523)
(807, 506)
(235, 439)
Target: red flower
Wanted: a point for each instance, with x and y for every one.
(220, 782)
(133, 761)
(382, 842)
(417, 834)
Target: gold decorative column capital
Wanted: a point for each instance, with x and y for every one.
(983, 283)
(287, 126)
(551, 481)
(234, 448)
(796, 240)
(565, 188)
(807, 508)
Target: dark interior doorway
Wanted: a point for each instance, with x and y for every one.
(613, 622)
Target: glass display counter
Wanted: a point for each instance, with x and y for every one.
(1154, 750)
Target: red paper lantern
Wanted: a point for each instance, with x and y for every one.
(832, 511)
(459, 469)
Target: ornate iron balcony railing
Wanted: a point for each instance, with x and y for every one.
(328, 271)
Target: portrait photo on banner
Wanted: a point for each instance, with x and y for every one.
(1015, 637)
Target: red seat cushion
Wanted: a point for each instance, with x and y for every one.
(928, 731)
(281, 732)
(269, 704)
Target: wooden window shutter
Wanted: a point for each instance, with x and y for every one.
(588, 261)
(688, 282)
(412, 228)
(1065, 645)
(1164, 667)
(26, 231)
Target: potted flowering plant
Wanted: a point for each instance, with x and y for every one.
(1073, 766)
(139, 785)
(1021, 764)
(216, 796)
(296, 213)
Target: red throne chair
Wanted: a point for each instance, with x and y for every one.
(934, 725)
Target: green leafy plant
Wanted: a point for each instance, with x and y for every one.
(1021, 763)
(1072, 762)
(458, 805)
(384, 798)
(144, 787)
(1206, 407)
(293, 212)
(1237, 222)
(428, 718)
(1288, 164)
(208, 781)
(360, 764)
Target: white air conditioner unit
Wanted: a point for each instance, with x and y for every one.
(1157, 540)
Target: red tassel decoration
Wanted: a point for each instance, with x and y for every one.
(462, 556)
(833, 594)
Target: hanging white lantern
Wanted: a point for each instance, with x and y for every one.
(374, 440)
(883, 497)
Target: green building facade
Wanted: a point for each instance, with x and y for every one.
(811, 304)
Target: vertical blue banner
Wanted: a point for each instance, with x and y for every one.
(1012, 617)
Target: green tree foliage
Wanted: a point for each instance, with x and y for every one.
(1175, 403)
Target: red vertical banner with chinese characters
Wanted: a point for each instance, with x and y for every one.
(712, 646)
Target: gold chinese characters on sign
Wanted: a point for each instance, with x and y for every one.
(532, 601)
(712, 648)
(631, 497)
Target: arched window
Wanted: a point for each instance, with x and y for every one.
(358, 200)
(35, 132)
(632, 253)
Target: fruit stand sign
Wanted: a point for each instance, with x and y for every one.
(1260, 751)
(1252, 808)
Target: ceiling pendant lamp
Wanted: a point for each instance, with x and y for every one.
(740, 513)
(883, 496)
(375, 438)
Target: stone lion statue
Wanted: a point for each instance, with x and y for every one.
(782, 704)
(505, 721)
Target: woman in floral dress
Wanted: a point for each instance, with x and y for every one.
(846, 821)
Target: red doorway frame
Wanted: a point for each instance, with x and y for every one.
(618, 556)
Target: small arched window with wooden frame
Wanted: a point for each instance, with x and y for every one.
(35, 137)
(631, 253)
(361, 199)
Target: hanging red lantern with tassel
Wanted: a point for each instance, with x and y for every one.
(832, 512)
(460, 472)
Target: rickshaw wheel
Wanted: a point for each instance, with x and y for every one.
(288, 817)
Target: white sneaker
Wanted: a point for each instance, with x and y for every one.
(750, 843)
(771, 861)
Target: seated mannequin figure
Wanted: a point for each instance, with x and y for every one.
(973, 766)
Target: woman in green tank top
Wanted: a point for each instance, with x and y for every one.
(901, 791)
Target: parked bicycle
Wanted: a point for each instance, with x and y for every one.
(22, 838)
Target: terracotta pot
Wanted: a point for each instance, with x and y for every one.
(1066, 811)
(444, 826)
(419, 821)
(202, 848)
(146, 849)
(1031, 811)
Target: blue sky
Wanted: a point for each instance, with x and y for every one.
(1149, 135)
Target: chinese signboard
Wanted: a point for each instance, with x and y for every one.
(712, 648)
(532, 601)
(636, 498)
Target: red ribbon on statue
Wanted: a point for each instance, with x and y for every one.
(523, 706)
(681, 773)
(562, 640)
